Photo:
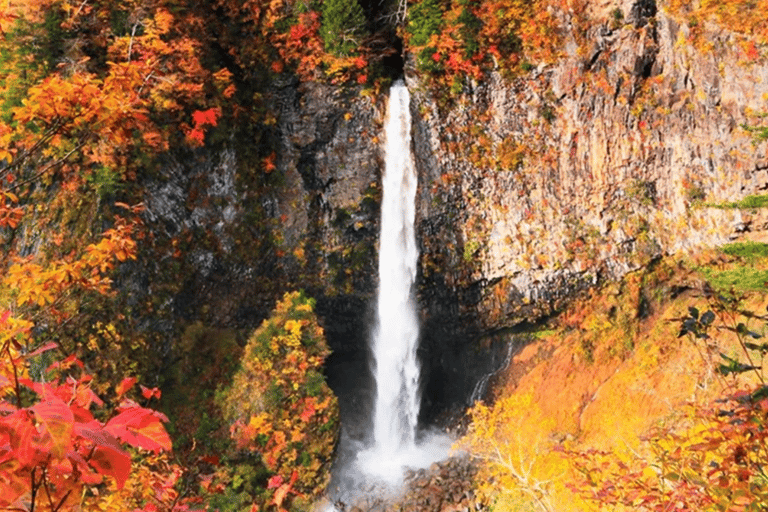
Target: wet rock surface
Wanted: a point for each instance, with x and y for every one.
(445, 486)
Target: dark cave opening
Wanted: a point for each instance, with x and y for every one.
(394, 62)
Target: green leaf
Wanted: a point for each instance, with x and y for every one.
(742, 330)
(689, 326)
(734, 366)
(759, 394)
(760, 347)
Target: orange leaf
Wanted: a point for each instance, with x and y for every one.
(308, 412)
(45, 348)
(196, 136)
(280, 495)
(23, 436)
(57, 421)
(274, 482)
(141, 428)
(206, 117)
(126, 384)
(110, 461)
(150, 393)
(269, 163)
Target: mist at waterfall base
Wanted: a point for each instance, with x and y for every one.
(395, 442)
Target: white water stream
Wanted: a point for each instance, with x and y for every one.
(396, 334)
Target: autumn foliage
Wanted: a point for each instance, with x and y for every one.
(517, 462)
(87, 100)
(91, 96)
(56, 442)
(462, 39)
(62, 446)
(91, 93)
(666, 412)
(714, 456)
(280, 406)
(741, 16)
(288, 36)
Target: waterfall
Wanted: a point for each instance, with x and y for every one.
(395, 336)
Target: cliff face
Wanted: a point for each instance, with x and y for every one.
(292, 203)
(588, 168)
(531, 189)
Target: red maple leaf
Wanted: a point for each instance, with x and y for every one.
(206, 117)
(275, 482)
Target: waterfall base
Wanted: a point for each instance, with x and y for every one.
(362, 473)
(359, 470)
(390, 466)
(445, 485)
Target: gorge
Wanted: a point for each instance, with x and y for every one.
(396, 443)
(580, 173)
(608, 179)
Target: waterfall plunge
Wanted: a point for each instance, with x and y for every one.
(396, 334)
(397, 331)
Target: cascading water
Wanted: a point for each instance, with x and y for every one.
(370, 467)
(395, 339)
(396, 334)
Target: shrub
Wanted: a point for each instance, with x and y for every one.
(715, 458)
(424, 20)
(62, 448)
(739, 275)
(279, 404)
(470, 28)
(749, 251)
(342, 27)
(747, 203)
(516, 463)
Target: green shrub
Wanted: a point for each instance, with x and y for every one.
(749, 251)
(470, 28)
(343, 26)
(753, 202)
(749, 202)
(424, 19)
(470, 248)
(739, 279)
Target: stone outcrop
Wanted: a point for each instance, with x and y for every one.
(298, 207)
(588, 168)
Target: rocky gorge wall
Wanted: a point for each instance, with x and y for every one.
(588, 168)
(532, 189)
(297, 206)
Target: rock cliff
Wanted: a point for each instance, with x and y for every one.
(582, 170)
(532, 189)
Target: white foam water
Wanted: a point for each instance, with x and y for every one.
(396, 334)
